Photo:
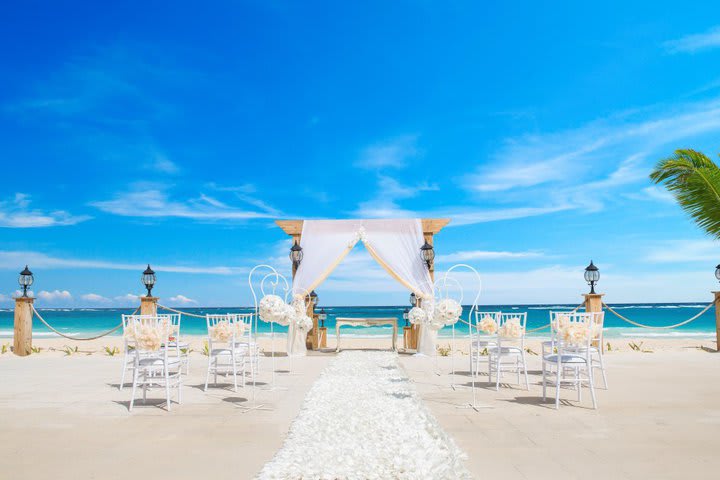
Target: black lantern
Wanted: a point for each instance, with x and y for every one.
(405, 317)
(26, 279)
(313, 298)
(592, 275)
(322, 316)
(413, 299)
(428, 254)
(296, 254)
(148, 279)
(717, 272)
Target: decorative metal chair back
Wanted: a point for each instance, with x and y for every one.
(575, 332)
(486, 324)
(221, 329)
(512, 328)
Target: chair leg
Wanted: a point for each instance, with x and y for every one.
(125, 365)
(167, 388)
(207, 377)
(578, 383)
(592, 386)
(234, 368)
(498, 370)
(524, 366)
(557, 386)
(134, 388)
(544, 380)
(602, 370)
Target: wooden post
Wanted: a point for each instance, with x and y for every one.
(717, 321)
(594, 303)
(148, 305)
(22, 336)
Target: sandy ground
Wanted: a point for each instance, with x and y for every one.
(62, 416)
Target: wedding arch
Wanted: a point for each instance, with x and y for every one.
(393, 243)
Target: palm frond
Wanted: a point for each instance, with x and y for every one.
(694, 180)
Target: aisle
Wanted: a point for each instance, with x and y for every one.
(362, 419)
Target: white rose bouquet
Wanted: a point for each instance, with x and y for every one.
(488, 325)
(447, 312)
(222, 331)
(148, 337)
(417, 316)
(274, 309)
(303, 322)
(575, 333)
(511, 329)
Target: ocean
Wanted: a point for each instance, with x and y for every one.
(89, 321)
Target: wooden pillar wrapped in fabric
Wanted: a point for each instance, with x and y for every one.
(148, 305)
(22, 335)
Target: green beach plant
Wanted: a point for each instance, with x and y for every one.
(206, 349)
(70, 350)
(694, 180)
(444, 351)
(111, 352)
(35, 349)
(5, 348)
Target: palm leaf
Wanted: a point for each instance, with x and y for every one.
(694, 180)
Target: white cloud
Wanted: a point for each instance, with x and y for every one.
(685, 251)
(17, 213)
(127, 299)
(55, 296)
(94, 298)
(695, 42)
(385, 204)
(154, 201)
(11, 259)
(653, 193)
(182, 300)
(160, 163)
(394, 153)
(468, 255)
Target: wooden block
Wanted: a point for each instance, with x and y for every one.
(22, 335)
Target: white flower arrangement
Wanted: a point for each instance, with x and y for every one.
(240, 328)
(274, 309)
(417, 316)
(511, 329)
(447, 311)
(488, 325)
(574, 333)
(303, 323)
(148, 337)
(222, 331)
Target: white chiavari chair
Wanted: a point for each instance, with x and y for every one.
(128, 322)
(224, 356)
(153, 365)
(177, 346)
(596, 346)
(482, 341)
(509, 354)
(571, 363)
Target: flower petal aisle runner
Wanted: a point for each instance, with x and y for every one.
(362, 419)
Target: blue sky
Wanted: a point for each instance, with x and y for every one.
(135, 133)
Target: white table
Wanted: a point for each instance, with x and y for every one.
(366, 322)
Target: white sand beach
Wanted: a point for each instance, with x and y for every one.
(67, 411)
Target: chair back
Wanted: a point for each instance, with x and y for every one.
(151, 333)
(511, 328)
(574, 332)
(221, 328)
(486, 325)
(598, 320)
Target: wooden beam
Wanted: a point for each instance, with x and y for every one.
(434, 225)
(291, 227)
(429, 225)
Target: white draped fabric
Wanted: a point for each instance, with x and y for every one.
(394, 244)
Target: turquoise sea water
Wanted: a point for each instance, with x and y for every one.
(90, 321)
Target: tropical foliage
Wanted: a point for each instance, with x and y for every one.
(694, 179)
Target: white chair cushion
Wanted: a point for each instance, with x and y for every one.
(565, 359)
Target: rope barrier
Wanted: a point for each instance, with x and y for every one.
(37, 314)
(666, 327)
(182, 313)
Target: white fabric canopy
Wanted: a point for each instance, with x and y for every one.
(394, 244)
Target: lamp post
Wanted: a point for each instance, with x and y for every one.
(313, 298)
(592, 276)
(296, 255)
(322, 316)
(25, 280)
(413, 300)
(405, 317)
(428, 254)
(148, 303)
(148, 279)
(22, 326)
